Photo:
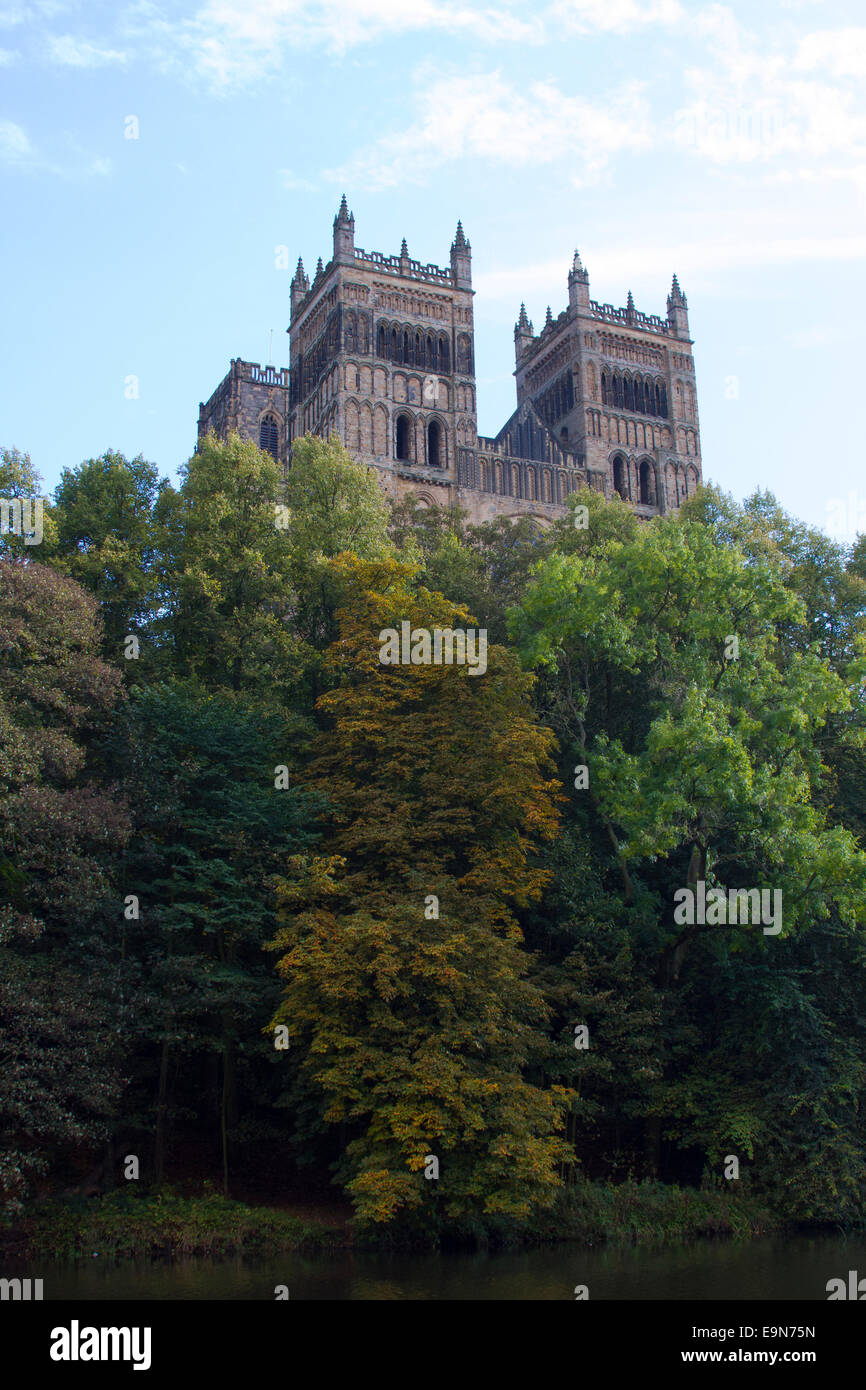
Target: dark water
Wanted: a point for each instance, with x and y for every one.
(774, 1268)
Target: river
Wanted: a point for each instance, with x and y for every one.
(777, 1267)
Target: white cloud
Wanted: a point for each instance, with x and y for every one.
(756, 104)
(295, 184)
(18, 151)
(483, 116)
(231, 45)
(7, 56)
(78, 53)
(841, 52)
(806, 338)
(616, 16)
(693, 261)
(15, 146)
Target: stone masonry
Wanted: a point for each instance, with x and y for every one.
(382, 352)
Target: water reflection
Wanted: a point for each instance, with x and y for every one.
(794, 1268)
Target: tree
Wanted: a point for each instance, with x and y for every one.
(669, 676)
(227, 613)
(60, 835)
(20, 481)
(211, 828)
(406, 991)
(106, 539)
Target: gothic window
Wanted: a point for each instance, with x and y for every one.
(645, 485)
(405, 345)
(604, 389)
(395, 346)
(431, 351)
(350, 331)
(619, 476)
(434, 444)
(628, 394)
(443, 354)
(404, 436)
(269, 435)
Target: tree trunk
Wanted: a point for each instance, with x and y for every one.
(653, 1145)
(161, 1117)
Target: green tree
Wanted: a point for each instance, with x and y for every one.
(106, 539)
(61, 832)
(227, 618)
(669, 676)
(211, 828)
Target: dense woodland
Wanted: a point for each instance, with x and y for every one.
(241, 827)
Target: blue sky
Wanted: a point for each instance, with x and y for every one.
(726, 142)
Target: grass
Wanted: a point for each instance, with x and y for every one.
(164, 1224)
(649, 1211)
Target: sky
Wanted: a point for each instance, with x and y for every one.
(161, 165)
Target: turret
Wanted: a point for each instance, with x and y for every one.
(344, 235)
(461, 260)
(578, 285)
(678, 306)
(523, 334)
(299, 287)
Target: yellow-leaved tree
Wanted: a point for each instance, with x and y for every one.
(406, 994)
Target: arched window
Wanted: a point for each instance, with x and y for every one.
(604, 389)
(434, 445)
(619, 477)
(431, 351)
(443, 354)
(645, 475)
(628, 393)
(617, 389)
(395, 346)
(350, 331)
(269, 435)
(380, 341)
(405, 345)
(404, 436)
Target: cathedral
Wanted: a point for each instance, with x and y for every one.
(382, 351)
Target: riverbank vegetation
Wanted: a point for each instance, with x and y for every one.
(166, 1225)
(281, 918)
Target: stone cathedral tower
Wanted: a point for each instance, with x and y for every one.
(382, 351)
